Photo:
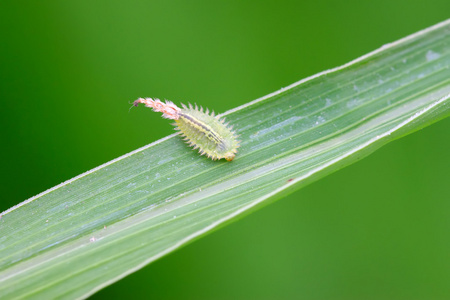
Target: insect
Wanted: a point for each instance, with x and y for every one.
(202, 130)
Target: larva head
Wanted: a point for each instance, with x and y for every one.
(230, 156)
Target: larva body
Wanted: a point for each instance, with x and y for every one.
(201, 130)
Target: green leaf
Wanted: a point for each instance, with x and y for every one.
(92, 230)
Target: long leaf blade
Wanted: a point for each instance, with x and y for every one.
(94, 229)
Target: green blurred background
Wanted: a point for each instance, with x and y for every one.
(378, 229)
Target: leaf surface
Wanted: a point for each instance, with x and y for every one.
(90, 231)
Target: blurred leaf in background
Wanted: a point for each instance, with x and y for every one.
(377, 229)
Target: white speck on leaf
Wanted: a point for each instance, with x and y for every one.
(320, 120)
(431, 55)
(352, 103)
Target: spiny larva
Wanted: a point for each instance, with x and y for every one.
(202, 130)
